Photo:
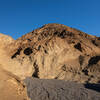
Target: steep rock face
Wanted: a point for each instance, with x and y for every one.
(40, 89)
(7, 63)
(11, 86)
(56, 51)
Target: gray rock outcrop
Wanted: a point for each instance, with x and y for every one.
(43, 89)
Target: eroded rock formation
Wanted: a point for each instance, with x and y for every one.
(56, 51)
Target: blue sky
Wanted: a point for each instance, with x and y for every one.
(17, 17)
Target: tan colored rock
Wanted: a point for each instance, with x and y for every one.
(56, 51)
(5, 40)
(7, 63)
(53, 51)
(11, 87)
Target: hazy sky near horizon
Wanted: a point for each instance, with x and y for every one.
(18, 17)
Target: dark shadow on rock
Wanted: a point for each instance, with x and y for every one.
(35, 74)
(28, 51)
(17, 53)
(91, 86)
(94, 60)
(78, 47)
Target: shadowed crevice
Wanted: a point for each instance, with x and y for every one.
(78, 46)
(94, 42)
(94, 60)
(35, 74)
(28, 51)
(17, 53)
(91, 86)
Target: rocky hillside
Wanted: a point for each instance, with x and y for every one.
(56, 51)
(51, 57)
(11, 87)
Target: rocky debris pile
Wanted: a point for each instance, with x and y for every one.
(56, 51)
(40, 89)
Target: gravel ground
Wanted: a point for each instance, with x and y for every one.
(42, 89)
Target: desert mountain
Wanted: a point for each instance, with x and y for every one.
(56, 51)
(51, 56)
